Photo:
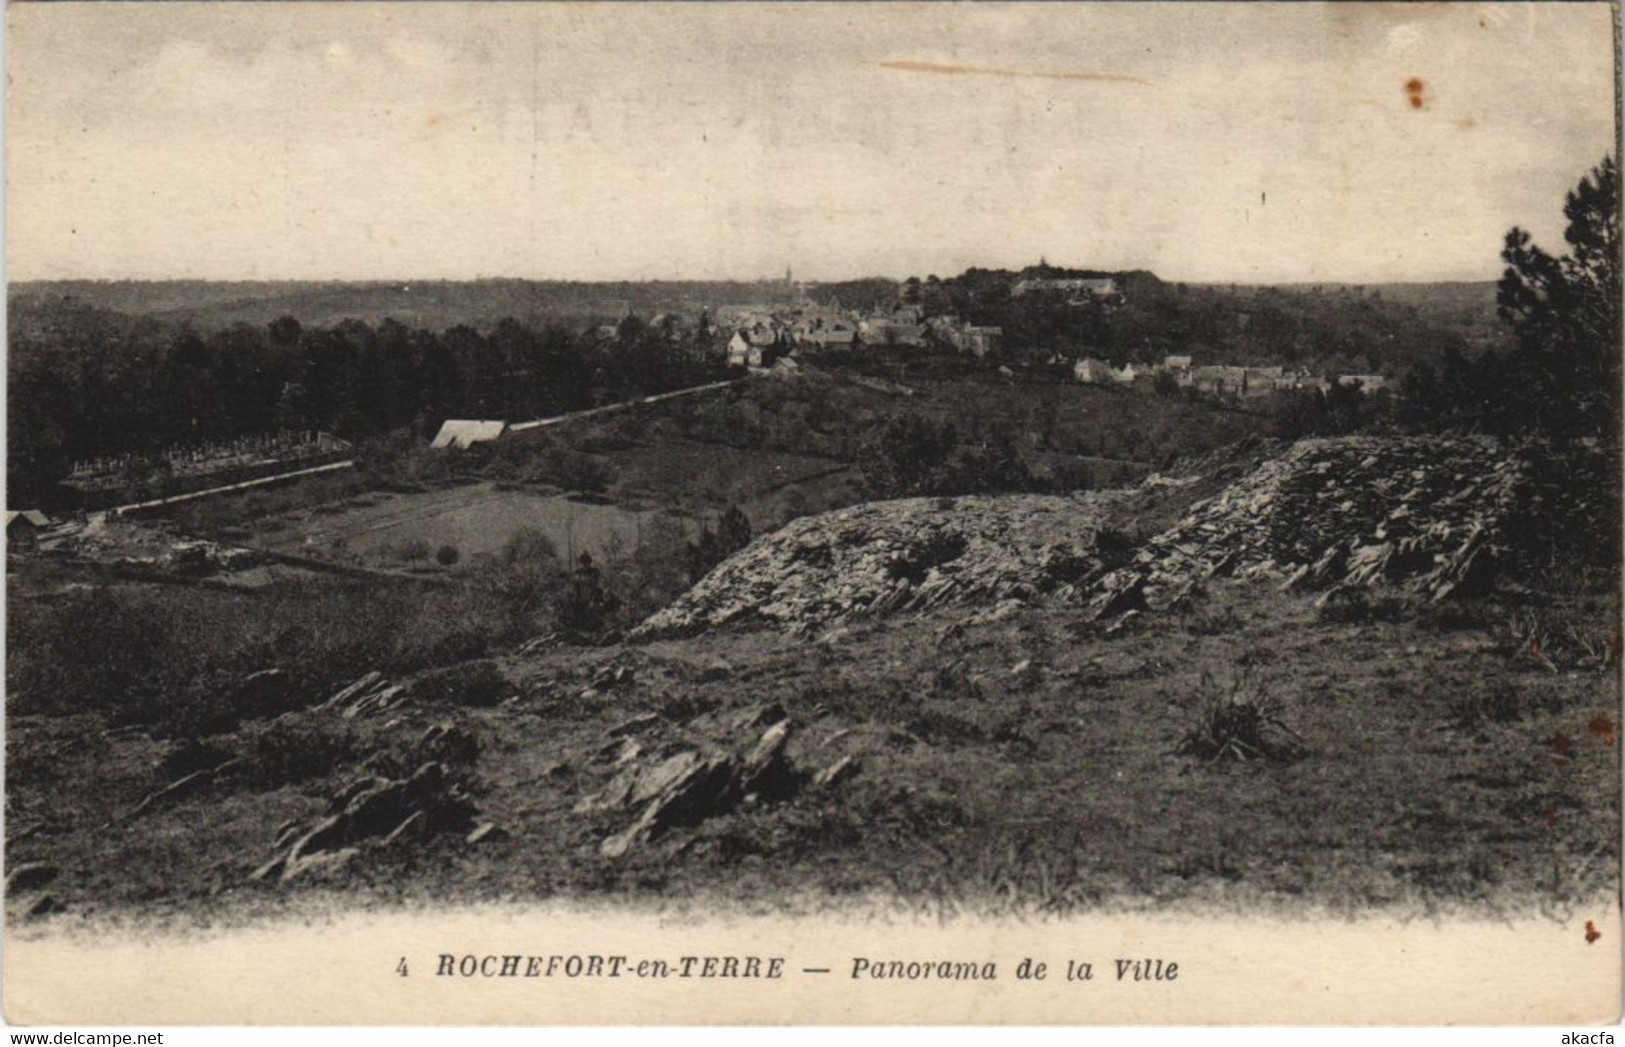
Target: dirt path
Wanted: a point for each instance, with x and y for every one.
(519, 427)
(175, 499)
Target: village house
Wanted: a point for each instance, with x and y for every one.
(1219, 379)
(463, 433)
(1076, 287)
(1176, 364)
(1090, 371)
(834, 334)
(23, 529)
(1366, 383)
(979, 341)
(1125, 375)
(889, 330)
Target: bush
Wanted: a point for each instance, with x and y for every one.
(1358, 607)
(447, 555)
(573, 471)
(952, 680)
(217, 701)
(585, 609)
(413, 550)
(1240, 722)
(529, 545)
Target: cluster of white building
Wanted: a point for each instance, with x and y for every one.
(1221, 379)
(762, 334)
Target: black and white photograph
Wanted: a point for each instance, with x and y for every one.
(943, 466)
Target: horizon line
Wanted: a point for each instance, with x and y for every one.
(779, 280)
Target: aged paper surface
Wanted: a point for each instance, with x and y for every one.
(803, 514)
(1242, 972)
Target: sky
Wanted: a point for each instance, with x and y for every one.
(1231, 142)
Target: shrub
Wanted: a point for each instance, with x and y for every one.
(585, 609)
(1358, 607)
(413, 549)
(940, 727)
(177, 657)
(530, 545)
(447, 555)
(1241, 721)
(573, 471)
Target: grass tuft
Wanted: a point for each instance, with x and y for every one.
(1238, 721)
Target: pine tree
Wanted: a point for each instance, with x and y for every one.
(1565, 314)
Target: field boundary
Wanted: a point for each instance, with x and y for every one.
(559, 419)
(244, 485)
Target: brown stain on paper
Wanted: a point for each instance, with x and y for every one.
(1417, 93)
(1592, 934)
(1603, 728)
(911, 66)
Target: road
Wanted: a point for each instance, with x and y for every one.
(243, 486)
(519, 427)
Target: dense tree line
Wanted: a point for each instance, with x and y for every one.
(86, 381)
(436, 304)
(1340, 332)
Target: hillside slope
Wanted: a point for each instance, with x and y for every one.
(883, 557)
(1424, 514)
(1010, 714)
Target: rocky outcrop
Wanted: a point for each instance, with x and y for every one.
(1432, 515)
(371, 810)
(718, 765)
(885, 557)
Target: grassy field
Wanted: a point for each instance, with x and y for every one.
(475, 519)
(775, 448)
(1378, 754)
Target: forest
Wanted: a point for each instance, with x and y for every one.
(86, 380)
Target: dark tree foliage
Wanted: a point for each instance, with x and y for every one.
(1340, 409)
(870, 293)
(1336, 330)
(713, 545)
(586, 608)
(1561, 376)
(85, 382)
(1565, 313)
(912, 456)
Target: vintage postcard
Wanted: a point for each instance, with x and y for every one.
(812, 513)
